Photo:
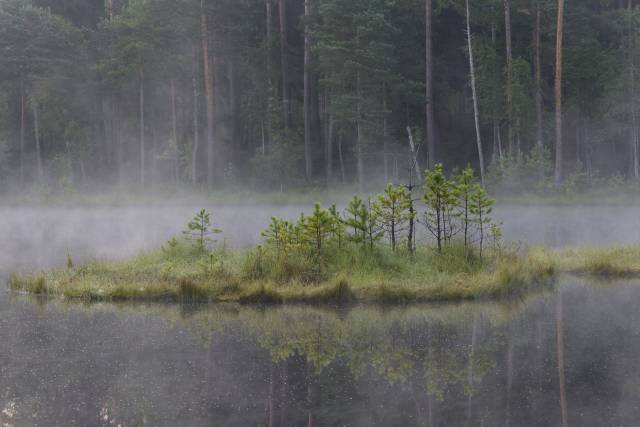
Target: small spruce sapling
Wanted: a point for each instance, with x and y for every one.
(199, 229)
(480, 209)
(392, 210)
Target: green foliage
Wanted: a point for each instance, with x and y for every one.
(318, 227)
(440, 200)
(392, 209)
(338, 229)
(199, 229)
(481, 207)
(464, 192)
(357, 220)
(281, 234)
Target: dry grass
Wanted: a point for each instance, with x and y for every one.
(350, 274)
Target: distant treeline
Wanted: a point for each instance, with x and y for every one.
(274, 94)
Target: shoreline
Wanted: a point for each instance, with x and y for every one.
(149, 277)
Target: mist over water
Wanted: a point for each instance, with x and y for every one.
(41, 237)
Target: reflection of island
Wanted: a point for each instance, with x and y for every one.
(466, 364)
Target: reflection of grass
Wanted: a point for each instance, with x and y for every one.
(183, 273)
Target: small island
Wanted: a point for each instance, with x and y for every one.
(367, 253)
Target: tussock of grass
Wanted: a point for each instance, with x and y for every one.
(620, 261)
(352, 273)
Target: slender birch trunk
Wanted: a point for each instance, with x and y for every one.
(475, 96)
(208, 84)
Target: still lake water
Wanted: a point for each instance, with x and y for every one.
(567, 357)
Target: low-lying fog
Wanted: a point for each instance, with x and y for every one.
(38, 237)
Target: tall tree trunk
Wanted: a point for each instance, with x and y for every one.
(538, 78)
(284, 61)
(108, 9)
(120, 140)
(507, 27)
(558, 92)
(196, 123)
(269, 31)
(632, 96)
(329, 141)
(208, 84)
(69, 161)
(359, 159)
(308, 149)
(142, 141)
(22, 129)
(343, 174)
(476, 113)
(36, 131)
(385, 145)
(497, 138)
(174, 132)
(233, 103)
(430, 118)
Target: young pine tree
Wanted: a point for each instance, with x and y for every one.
(199, 229)
(480, 209)
(439, 198)
(280, 234)
(318, 227)
(337, 225)
(464, 192)
(393, 211)
(357, 218)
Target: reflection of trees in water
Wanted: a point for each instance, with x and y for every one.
(465, 364)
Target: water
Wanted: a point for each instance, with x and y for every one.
(566, 357)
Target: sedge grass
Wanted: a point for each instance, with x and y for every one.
(350, 273)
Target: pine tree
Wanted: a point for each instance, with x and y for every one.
(439, 198)
(392, 210)
(318, 227)
(357, 218)
(464, 192)
(199, 229)
(480, 209)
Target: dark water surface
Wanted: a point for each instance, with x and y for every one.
(524, 363)
(567, 357)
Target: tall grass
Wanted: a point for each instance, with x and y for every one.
(349, 273)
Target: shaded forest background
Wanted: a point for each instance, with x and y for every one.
(282, 94)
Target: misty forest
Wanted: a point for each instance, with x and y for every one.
(282, 94)
(319, 212)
